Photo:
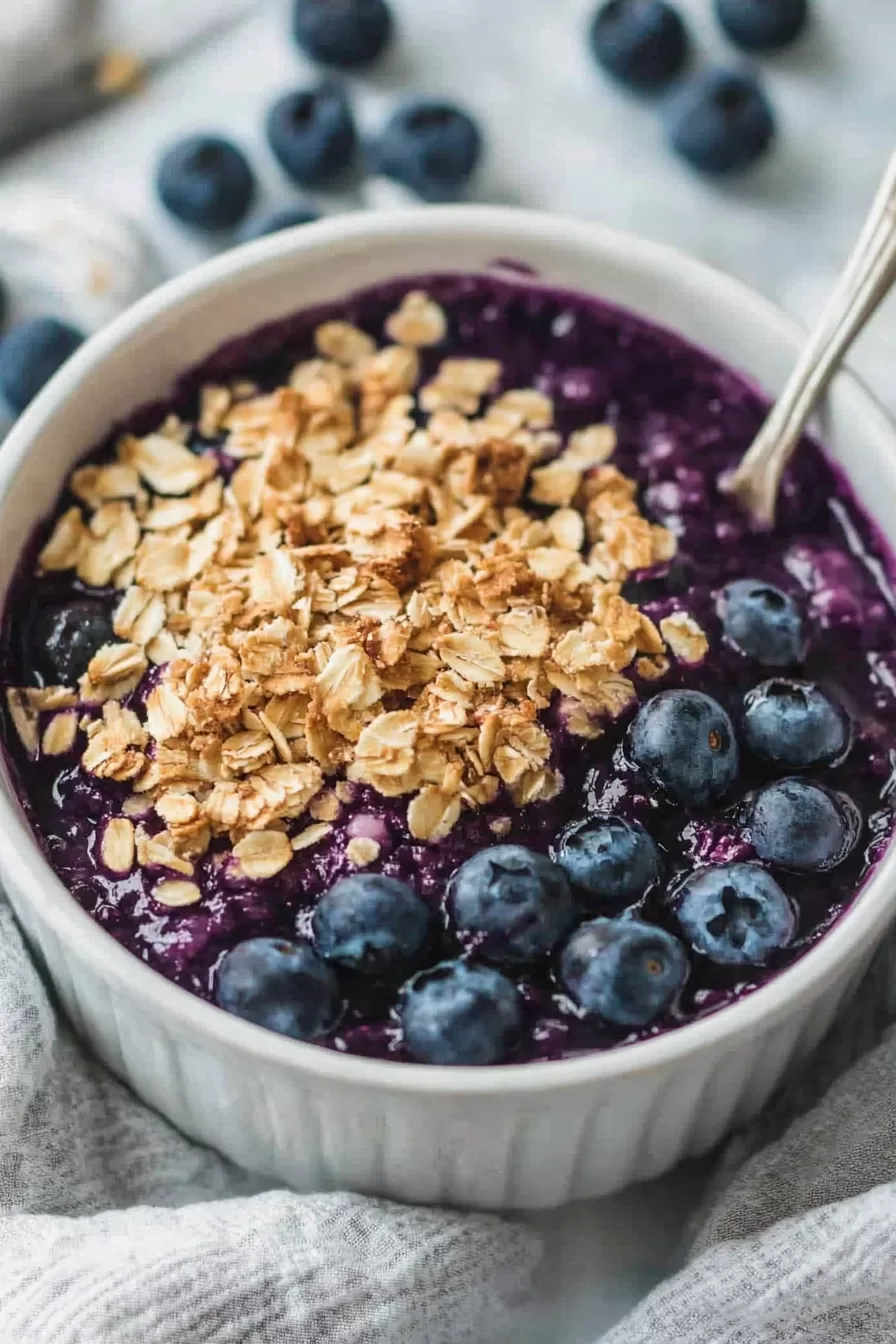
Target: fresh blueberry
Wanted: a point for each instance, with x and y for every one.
(460, 1013)
(61, 640)
(642, 43)
(735, 914)
(623, 970)
(279, 985)
(29, 356)
(287, 217)
(312, 134)
(763, 623)
(613, 860)
(430, 147)
(372, 924)
(516, 903)
(685, 742)
(794, 724)
(205, 181)
(720, 122)
(762, 25)
(346, 33)
(804, 826)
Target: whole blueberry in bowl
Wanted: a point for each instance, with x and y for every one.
(29, 356)
(205, 181)
(720, 122)
(735, 914)
(345, 33)
(614, 861)
(372, 924)
(762, 622)
(461, 1013)
(513, 904)
(762, 25)
(685, 742)
(623, 970)
(312, 134)
(280, 985)
(60, 640)
(795, 725)
(802, 825)
(431, 147)
(642, 43)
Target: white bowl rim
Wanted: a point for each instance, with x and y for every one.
(21, 855)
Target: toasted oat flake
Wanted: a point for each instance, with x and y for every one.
(118, 845)
(174, 894)
(651, 669)
(591, 446)
(60, 733)
(167, 466)
(419, 321)
(343, 343)
(263, 854)
(432, 814)
(311, 835)
(25, 719)
(362, 851)
(116, 662)
(63, 549)
(684, 637)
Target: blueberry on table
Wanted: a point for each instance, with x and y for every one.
(518, 904)
(461, 1013)
(762, 25)
(205, 181)
(345, 33)
(623, 970)
(312, 134)
(615, 861)
(794, 724)
(29, 356)
(735, 914)
(763, 623)
(280, 985)
(287, 217)
(61, 640)
(430, 147)
(642, 43)
(720, 122)
(684, 741)
(372, 924)
(805, 826)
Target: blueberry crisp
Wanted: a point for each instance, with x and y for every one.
(405, 684)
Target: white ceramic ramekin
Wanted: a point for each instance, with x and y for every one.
(520, 1136)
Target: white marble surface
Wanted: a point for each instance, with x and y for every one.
(559, 138)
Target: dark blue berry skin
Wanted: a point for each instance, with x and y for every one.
(287, 217)
(62, 640)
(4, 302)
(763, 623)
(684, 741)
(720, 122)
(205, 181)
(280, 985)
(312, 134)
(643, 44)
(795, 725)
(624, 971)
(431, 147)
(802, 825)
(461, 1013)
(372, 924)
(349, 34)
(517, 904)
(762, 25)
(29, 356)
(735, 914)
(614, 861)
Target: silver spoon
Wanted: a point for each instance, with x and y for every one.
(867, 278)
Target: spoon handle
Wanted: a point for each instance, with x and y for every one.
(867, 278)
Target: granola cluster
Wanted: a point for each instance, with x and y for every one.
(360, 600)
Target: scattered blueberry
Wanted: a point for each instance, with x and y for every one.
(459, 1013)
(720, 122)
(613, 860)
(763, 623)
(518, 903)
(346, 33)
(62, 640)
(762, 25)
(287, 217)
(624, 971)
(279, 985)
(430, 147)
(794, 724)
(801, 825)
(372, 924)
(205, 181)
(29, 356)
(685, 742)
(642, 43)
(312, 134)
(735, 914)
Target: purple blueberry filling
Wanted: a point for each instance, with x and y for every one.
(585, 927)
